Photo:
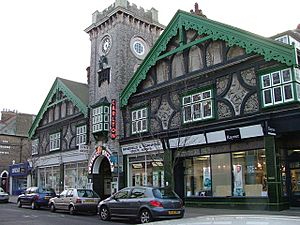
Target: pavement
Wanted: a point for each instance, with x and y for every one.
(193, 212)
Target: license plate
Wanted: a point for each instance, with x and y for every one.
(89, 200)
(47, 197)
(174, 212)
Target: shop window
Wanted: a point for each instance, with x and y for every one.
(198, 176)
(146, 171)
(197, 106)
(277, 87)
(55, 141)
(81, 135)
(240, 174)
(76, 175)
(221, 175)
(249, 173)
(34, 148)
(139, 121)
(100, 119)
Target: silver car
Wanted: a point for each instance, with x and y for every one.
(75, 200)
(144, 203)
(4, 197)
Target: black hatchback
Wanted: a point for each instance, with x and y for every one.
(144, 203)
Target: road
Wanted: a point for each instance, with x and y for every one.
(10, 214)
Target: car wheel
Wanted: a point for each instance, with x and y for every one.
(145, 216)
(72, 210)
(33, 205)
(19, 204)
(52, 207)
(104, 213)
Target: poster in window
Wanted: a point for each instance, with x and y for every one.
(206, 178)
(155, 177)
(238, 189)
(137, 179)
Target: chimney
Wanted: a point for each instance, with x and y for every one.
(88, 74)
(197, 11)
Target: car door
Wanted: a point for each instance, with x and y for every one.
(118, 202)
(60, 199)
(135, 200)
(68, 199)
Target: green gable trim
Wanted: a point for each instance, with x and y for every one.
(58, 85)
(252, 43)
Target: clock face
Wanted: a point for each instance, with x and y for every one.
(106, 44)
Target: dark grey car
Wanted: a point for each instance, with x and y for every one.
(144, 203)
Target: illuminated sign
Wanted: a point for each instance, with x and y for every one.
(113, 127)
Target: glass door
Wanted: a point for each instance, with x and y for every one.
(295, 186)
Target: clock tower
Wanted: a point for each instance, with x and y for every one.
(121, 36)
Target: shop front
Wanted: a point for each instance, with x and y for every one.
(231, 168)
(62, 170)
(19, 177)
(144, 163)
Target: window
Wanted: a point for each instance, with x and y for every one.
(197, 106)
(139, 121)
(34, 148)
(138, 193)
(100, 118)
(81, 135)
(241, 174)
(287, 39)
(139, 48)
(55, 141)
(123, 194)
(277, 87)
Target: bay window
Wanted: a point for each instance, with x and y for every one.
(278, 87)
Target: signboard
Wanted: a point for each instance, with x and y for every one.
(142, 147)
(100, 150)
(83, 148)
(113, 126)
(233, 135)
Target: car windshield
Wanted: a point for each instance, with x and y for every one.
(87, 193)
(164, 193)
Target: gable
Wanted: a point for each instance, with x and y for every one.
(62, 90)
(209, 30)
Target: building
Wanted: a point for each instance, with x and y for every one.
(15, 148)
(120, 36)
(213, 111)
(59, 137)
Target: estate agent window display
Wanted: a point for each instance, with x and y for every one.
(237, 174)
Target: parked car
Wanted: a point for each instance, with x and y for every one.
(144, 203)
(4, 197)
(36, 197)
(75, 200)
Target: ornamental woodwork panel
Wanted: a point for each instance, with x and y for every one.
(249, 77)
(252, 104)
(222, 84)
(224, 111)
(236, 94)
(164, 113)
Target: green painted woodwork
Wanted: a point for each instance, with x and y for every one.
(58, 85)
(273, 171)
(252, 43)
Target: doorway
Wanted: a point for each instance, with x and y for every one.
(102, 179)
(293, 178)
(4, 181)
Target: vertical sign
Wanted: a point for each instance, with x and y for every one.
(113, 128)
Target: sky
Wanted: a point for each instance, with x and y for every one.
(44, 39)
